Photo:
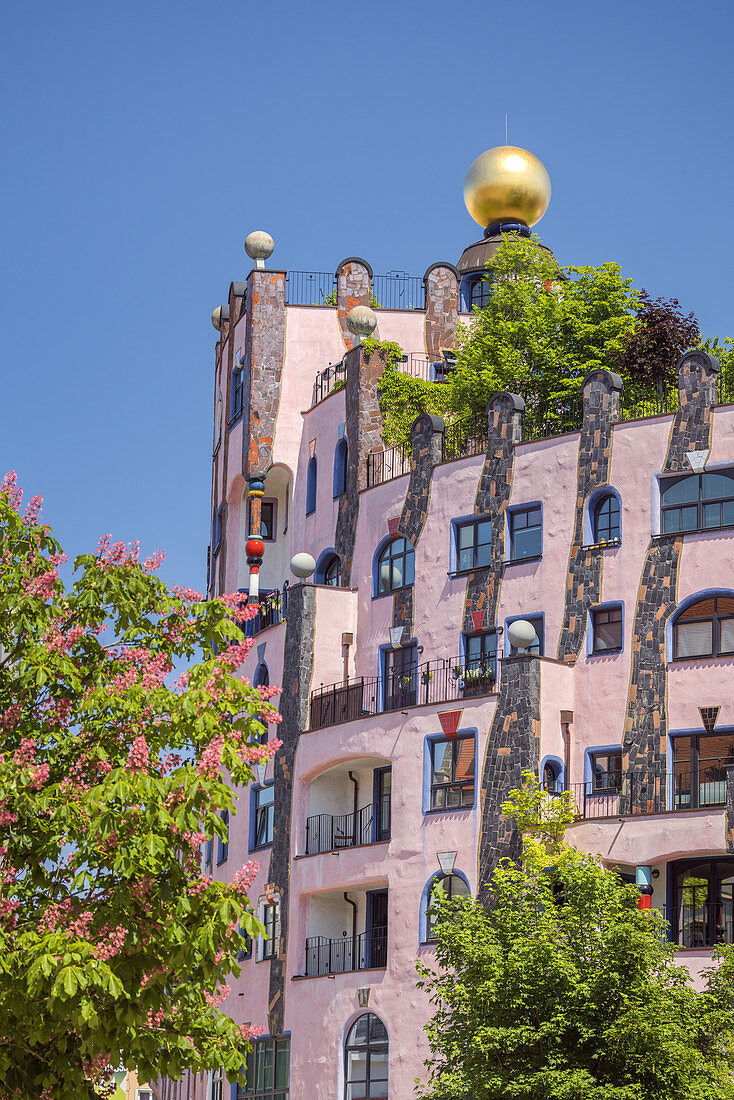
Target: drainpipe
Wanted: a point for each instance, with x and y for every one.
(354, 928)
(356, 809)
(347, 640)
(566, 720)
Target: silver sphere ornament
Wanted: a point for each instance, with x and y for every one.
(361, 321)
(521, 634)
(259, 245)
(302, 565)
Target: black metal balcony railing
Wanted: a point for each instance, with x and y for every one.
(706, 924)
(388, 464)
(726, 386)
(329, 833)
(441, 681)
(398, 290)
(273, 609)
(465, 437)
(310, 288)
(331, 378)
(620, 795)
(544, 419)
(364, 952)
(639, 402)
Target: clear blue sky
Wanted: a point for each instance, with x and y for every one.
(142, 141)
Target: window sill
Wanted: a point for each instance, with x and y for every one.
(221, 862)
(610, 544)
(703, 657)
(605, 652)
(453, 810)
(466, 572)
(235, 419)
(522, 561)
(391, 592)
(261, 847)
(698, 531)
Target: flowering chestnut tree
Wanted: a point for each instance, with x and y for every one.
(114, 947)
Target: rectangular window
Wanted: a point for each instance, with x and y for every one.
(606, 771)
(401, 677)
(218, 526)
(697, 502)
(473, 544)
(267, 520)
(264, 815)
(526, 533)
(700, 768)
(536, 621)
(452, 773)
(245, 951)
(267, 1070)
(480, 652)
(216, 1091)
(223, 845)
(238, 393)
(606, 625)
(271, 920)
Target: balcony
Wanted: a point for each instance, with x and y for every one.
(442, 681)
(618, 795)
(330, 833)
(349, 931)
(700, 926)
(367, 951)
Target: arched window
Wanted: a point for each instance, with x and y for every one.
(697, 502)
(340, 468)
(262, 676)
(311, 486)
(480, 292)
(365, 1059)
(395, 566)
(606, 519)
(333, 572)
(705, 629)
(453, 886)
(552, 773)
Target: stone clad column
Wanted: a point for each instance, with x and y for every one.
(645, 736)
(353, 288)
(441, 281)
(602, 408)
(265, 351)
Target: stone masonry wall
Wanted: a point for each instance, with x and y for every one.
(265, 350)
(363, 431)
(427, 437)
(442, 309)
(513, 746)
(602, 403)
(298, 660)
(353, 288)
(504, 414)
(646, 723)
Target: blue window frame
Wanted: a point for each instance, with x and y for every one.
(223, 845)
(606, 628)
(245, 951)
(473, 544)
(606, 771)
(480, 652)
(526, 532)
(453, 886)
(264, 816)
(395, 566)
(607, 519)
(340, 467)
(237, 401)
(311, 477)
(452, 772)
(267, 1071)
(697, 502)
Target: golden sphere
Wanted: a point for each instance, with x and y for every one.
(507, 183)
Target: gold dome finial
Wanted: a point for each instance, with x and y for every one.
(507, 184)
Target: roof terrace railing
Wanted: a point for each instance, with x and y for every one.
(639, 402)
(310, 288)
(726, 386)
(398, 290)
(545, 419)
(468, 436)
(333, 377)
(388, 464)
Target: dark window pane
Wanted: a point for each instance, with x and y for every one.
(717, 486)
(680, 492)
(694, 639)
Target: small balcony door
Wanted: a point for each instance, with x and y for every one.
(401, 677)
(381, 814)
(376, 938)
(704, 900)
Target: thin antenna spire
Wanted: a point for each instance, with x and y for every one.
(506, 130)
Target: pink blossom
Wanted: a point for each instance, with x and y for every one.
(26, 752)
(259, 754)
(211, 757)
(137, 758)
(251, 1031)
(190, 595)
(43, 586)
(58, 642)
(236, 655)
(39, 775)
(9, 488)
(10, 717)
(246, 874)
(32, 513)
(154, 562)
(215, 999)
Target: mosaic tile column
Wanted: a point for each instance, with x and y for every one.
(265, 353)
(353, 288)
(298, 659)
(645, 734)
(602, 405)
(513, 747)
(504, 415)
(441, 281)
(427, 435)
(363, 431)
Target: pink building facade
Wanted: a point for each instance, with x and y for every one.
(406, 716)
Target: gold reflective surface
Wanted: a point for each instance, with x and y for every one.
(507, 183)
